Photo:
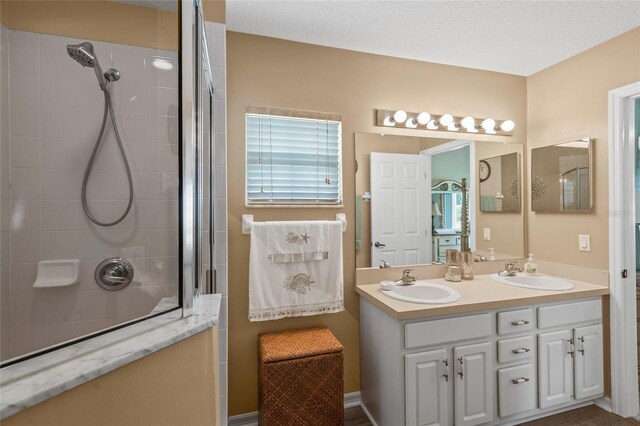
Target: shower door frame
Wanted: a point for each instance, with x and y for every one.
(623, 329)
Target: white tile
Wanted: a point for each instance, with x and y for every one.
(5, 313)
(60, 245)
(59, 122)
(163, 101)
(24, 51)
(5, 149)
(63, 153)
(89, 95)
(5, 122)
(131, 67)
(61, 215)
(24, 88)
(136, 127)
(223, 313)
(221, 279)
(59, 184)
(23, 275)
(220, 181)
(162, 77)
(222, 345)
(220, 214)
(219, 82)
(25, 151)
(5, 183)
(221, 148)
(5, 345)
(221, 247)
(60, 332)
(162, 242)
(25, 120)
(219, 116)
(59, 91)
(92, 246)
(5, 216)
(166, 130)
(25, 215)
(26, 246)
(5, 248)
(88, 124)
(25, 183)
(218, 58)
(129, 97)
(4, 85)
(25, 340)
(54, 59)
(26, 310)
(223, 376)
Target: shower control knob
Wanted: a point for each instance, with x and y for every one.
(114, 273)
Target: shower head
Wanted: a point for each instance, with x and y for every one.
(83, 54)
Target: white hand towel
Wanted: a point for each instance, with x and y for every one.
(297, 241)
(278, 290)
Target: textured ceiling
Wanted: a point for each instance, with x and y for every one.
(516, 37)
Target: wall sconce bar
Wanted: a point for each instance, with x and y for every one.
(443, 122)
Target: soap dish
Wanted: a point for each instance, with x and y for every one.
(57, 273)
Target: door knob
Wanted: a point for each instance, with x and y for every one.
(378, 244)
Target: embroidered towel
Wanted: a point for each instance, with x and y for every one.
(299, 241)
(292, 289)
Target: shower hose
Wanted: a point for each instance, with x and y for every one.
(108, 108)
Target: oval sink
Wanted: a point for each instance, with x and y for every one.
(424, 292)
(539, 282)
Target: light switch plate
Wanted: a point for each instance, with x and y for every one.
(584, 242)
(487, 234)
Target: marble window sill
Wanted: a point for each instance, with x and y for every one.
(35, 380)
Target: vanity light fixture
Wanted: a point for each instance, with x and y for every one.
(445, 122)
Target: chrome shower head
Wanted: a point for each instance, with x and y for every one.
(83, 54)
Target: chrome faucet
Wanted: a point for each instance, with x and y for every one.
(511, 269)
(384, 264)
(408, 278)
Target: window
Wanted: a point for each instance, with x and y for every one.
(293, 160)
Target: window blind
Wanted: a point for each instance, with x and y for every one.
(293, 160)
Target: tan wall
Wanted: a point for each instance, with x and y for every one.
(214, 11)
(276, 73)
(174, 386)
(95, 20)
(569, 101)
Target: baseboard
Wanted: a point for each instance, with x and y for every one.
(368, 414)
(604, 403)
(251, 419)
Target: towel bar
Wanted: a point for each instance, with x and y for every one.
(247, 220)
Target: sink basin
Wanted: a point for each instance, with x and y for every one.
(424, 292)
(539, 282)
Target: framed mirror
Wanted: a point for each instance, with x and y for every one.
(500, 183)
(562, 176)
(409, 200)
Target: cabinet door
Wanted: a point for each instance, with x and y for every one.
(516, 390)
(588, 361)
(555, 368)
(473, 384)
(426, 377)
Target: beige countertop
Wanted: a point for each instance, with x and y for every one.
(480, 294)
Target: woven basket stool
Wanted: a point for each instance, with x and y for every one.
(301, 378)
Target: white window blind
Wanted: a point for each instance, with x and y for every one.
(293, 160)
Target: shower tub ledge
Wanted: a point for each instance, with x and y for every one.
(35, 380)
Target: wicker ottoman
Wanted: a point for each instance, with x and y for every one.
(301, 378)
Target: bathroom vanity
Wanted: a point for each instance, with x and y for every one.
(500, 354)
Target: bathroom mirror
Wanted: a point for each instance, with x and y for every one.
(409, 200)
(500, 183)
(561, 177)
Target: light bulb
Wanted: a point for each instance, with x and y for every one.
(388, 121)
(411, 123)
(507, 126)
(400, 116)
(423, 118)
(468, 122)
(446, 119)
(453, 127)
(488, 124)
(432, 125)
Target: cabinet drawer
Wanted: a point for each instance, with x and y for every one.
(515, 321)
(519, 348)
(516, 390)
(427, 333)
(569, 313)
(448, 241)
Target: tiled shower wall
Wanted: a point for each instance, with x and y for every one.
(51, 112)
(216, 39)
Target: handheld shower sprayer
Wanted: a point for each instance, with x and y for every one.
(84, 54)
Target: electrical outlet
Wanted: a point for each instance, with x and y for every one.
(487, 234)
(584, 242)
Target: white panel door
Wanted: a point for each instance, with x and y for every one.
(555, 368)
(588, 361)
(426, 379)
(400, 193)
(473, 384)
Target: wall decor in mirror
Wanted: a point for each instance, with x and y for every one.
(562, 176)
(500, 183)
(409, 203)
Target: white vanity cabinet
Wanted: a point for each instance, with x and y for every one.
(570, 360)
(488, 367)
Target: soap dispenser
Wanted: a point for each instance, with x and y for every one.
(531, 267)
